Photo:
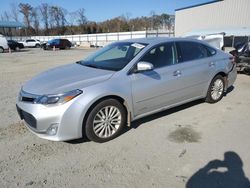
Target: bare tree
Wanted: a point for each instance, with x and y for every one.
(72, 21)
(55, 16)
(54, 22)
(14, 11)
(6, 16)
(35, 19)
(44, 10)
(81, 16)
(26, 10)
(73, 18)
(57, 19)
(165, 21)
(82, 20)
(1, 17)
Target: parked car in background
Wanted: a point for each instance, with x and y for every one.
(122, 82)
(57, 43)
(3, 44)
(31, 43)
(14, 45)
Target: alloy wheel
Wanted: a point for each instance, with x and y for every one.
(217, 89)
(107, 121)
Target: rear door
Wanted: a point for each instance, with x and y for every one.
(195, 68)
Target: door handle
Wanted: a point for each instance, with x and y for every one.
(177, 73)
(211, 64)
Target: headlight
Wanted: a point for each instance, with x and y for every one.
(58, 99)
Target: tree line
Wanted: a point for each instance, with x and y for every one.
(47, 19)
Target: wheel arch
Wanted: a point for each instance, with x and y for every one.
(224, 75)
(116, 97)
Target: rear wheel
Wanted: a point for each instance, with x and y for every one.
(105, 121)
(216, 89)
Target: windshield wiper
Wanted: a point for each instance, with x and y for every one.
(88, 65)
(79, 62)
(92, 66)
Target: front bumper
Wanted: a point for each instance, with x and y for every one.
(39, 118)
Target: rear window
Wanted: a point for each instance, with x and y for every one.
(188, 51)
(30, 40)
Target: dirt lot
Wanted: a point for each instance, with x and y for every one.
(175, 148)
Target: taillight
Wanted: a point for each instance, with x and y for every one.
(233, 59)
(234, 56)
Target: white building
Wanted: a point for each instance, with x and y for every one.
(216, 16)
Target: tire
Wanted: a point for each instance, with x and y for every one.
(37, 46)
(17, 48)
(105, 128)
(1, 50)
(216, 89)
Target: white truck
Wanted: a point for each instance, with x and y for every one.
(3, 44)
(31, 43)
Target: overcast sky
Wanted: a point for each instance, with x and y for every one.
(99, 10)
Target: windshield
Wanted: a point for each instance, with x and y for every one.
(53, 41)
(114, 56)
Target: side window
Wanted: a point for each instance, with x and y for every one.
(188, 51)
(210, 50)
(57, 41)
(161, 55)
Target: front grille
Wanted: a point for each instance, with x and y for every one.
(28, 118)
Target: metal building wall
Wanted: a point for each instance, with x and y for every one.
(227, 13)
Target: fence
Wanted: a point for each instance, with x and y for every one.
(100, 39)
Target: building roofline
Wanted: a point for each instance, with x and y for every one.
(201, 4)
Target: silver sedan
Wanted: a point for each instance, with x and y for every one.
(124, 81)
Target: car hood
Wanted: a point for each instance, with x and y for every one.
(65, 78)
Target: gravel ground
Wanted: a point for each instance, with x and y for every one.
(194, 145)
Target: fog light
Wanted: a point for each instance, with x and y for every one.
(52, 130)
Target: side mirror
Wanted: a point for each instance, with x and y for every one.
(144, 66)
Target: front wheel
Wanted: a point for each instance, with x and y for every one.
(215, 90)
(105, 121)
(1, 50)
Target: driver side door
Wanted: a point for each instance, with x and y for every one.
(156, 88)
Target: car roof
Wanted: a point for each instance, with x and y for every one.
(57, 39)
(157, 40)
